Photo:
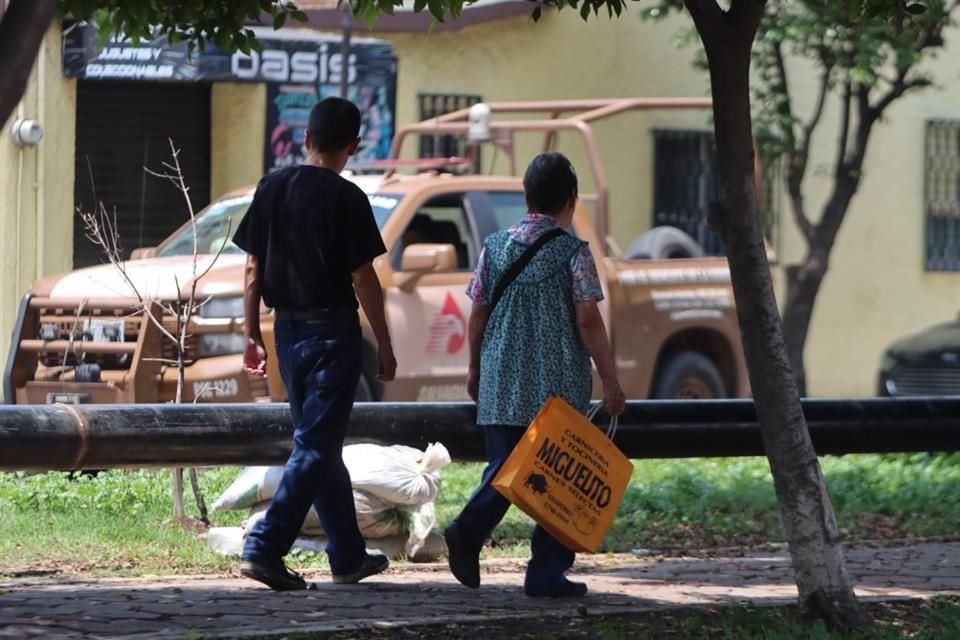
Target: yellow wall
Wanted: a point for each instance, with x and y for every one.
(877, 288)
(561, 57)
(239, 121)
(36, 187)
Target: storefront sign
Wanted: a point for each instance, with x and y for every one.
(299, 67)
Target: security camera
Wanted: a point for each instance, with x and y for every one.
(479, 119)
(26, 132)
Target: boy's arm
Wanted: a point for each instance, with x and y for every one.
(476, 327)
(370, 294)
(254, 354)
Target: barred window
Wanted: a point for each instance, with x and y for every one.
(942, 195)
(685, 183)
(432, 105)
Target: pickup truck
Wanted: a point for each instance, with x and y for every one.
(83, 337)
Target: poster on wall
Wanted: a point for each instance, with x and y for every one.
(372, 76)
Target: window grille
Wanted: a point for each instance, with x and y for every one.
(685, 183)
(432, 105)
(942, 195)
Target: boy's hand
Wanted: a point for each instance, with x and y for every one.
(387, 363)
(613, 399)
(255, 358)
(473, 383)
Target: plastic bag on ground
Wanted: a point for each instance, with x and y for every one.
(398, 474)
(253, 486)
(375, 517)
(228, 541)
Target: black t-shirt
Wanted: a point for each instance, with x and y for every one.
(309, 229)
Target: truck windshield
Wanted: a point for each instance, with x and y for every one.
(216, 225)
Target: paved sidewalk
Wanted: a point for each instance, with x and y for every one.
(227, 607)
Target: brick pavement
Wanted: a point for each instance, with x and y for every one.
(229, 607)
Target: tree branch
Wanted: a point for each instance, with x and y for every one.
(746, 16)
(22, 28)
(708, 19)
(843, 139)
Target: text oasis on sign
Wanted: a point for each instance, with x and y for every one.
(308, 67)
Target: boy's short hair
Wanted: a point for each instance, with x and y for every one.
(334, 124)
(549, 183)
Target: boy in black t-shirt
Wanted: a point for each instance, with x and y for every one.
(311, 237)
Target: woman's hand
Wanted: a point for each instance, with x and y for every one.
(614, 400)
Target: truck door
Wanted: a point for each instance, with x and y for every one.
(429, 322)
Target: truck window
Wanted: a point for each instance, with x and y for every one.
(217, 223)
(215, 227)
(440, 220)
(509, 208)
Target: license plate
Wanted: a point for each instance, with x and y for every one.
(68, 398)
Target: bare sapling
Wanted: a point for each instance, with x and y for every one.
(173, 318)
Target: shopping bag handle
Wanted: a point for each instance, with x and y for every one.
(614, 420)
(612, 428)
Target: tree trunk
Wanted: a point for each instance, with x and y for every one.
(22, 29)
(824, 586)
(803, 284)
(805, 279)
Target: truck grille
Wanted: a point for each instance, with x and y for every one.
(70, 323)
(927, 381)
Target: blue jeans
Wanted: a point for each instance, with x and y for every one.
(320, 365)
(486, 508)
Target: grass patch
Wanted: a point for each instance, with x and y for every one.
(120, 522)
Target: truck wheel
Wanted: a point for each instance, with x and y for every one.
(364, 392)
(688, 375)
(664, 243)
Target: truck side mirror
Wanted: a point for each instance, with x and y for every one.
(428, 258)
(143, 253)
(420, 259)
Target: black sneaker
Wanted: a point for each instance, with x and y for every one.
(372, 565)
(273, 574)
(462, 556)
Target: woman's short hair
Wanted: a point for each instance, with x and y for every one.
(549, 183)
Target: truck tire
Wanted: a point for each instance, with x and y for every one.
(688, 375)
(663, 243)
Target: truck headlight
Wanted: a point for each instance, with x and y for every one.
(222, 308)
(220, 344)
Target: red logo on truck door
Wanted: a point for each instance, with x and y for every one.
(448, 332)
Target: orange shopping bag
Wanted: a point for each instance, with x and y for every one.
(566, 474)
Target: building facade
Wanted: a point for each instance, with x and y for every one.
(887, 274)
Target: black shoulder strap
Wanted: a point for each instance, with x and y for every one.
(520, 264)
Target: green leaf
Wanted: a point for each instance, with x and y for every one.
(299, 16)
(916, 9)
(419, 5)
(436, 9)
(537, 11)
(279, 20)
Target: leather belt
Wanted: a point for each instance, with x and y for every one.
(319, 316)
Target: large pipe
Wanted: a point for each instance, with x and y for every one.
(105, 436)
